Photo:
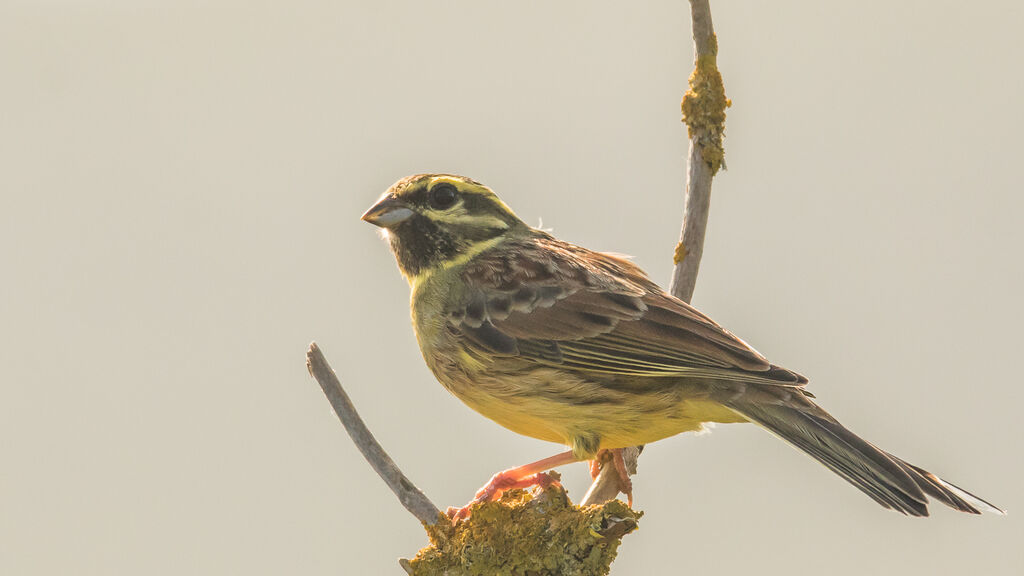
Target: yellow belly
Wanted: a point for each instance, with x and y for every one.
(548, 405)
(562, 406)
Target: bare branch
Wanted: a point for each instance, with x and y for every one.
(704, 113)
(408, 494)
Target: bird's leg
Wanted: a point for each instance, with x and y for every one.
(625, 484)
(598, 461)
(531, 474)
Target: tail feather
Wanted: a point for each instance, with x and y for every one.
(887, 479)
(948, 493)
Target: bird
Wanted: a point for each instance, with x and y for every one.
(581, 348)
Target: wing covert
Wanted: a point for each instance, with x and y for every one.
(559, 304)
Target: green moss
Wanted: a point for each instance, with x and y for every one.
(704, 107)
(526, 535)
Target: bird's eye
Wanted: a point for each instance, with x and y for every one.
(442, 196)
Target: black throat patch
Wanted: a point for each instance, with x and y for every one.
(419, 243)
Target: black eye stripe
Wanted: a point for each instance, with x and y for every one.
(442, 196)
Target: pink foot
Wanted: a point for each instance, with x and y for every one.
(498, 484)
(595, 464)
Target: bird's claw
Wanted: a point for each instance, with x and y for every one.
(499, 483)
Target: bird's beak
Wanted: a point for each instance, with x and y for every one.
(387, 212)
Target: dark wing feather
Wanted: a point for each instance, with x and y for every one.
(559, 304)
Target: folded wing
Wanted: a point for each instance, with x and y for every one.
(559, 304)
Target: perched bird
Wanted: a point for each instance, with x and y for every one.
(564, 344)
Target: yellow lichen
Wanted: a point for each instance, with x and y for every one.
(704, 107)
(680, 253)
(526, 535)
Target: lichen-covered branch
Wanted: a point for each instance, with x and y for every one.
(704, 113)
(408, 494)
(526, 534)
(704, 103)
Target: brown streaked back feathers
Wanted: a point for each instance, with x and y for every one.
(559, 304)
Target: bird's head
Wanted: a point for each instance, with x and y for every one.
(438, 220)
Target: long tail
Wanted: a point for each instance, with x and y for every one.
(890, 481)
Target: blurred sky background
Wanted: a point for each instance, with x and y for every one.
(180, 191)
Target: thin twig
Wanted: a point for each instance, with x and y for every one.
(408, 494)
(704, 113)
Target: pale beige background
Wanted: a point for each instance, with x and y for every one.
(181, 185)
